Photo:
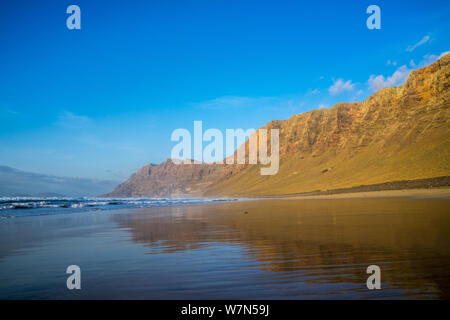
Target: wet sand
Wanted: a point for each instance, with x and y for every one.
(263, 249)
(438, 193)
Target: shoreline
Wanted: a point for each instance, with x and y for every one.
(428, 188)
(400, 188)
(421, 193)
(436, 193)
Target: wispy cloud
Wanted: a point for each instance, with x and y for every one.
(418, 44)
(6, 110)
(73, 121)
(100, 143)
(340, 86)
(9, 112)
(292, 103)
(232, 102)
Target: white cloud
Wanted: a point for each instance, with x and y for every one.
(323, 106)
(377, 82)
(418, 44)
(340, 86)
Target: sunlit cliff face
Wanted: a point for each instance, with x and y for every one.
(396, 134)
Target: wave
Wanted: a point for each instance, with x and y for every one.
(26, 206)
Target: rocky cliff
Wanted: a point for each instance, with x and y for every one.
(400, 133)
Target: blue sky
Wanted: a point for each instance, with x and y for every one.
(102, 101)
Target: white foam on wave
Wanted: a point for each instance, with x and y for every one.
(20, 206)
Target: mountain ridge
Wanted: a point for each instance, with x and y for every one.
(15, 182)
(398, 133)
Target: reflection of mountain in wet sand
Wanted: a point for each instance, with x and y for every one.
(316, 241)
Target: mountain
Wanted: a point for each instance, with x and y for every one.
(170, 179)
(396, 134)
(14, 182)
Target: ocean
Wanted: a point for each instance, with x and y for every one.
(35, 206)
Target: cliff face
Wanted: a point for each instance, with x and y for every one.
(170, 179)
(398, 133)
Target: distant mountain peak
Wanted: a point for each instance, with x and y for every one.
(15, 182)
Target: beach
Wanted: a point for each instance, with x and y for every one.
(439, 193)
(280, 248)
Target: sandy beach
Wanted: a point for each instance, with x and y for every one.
(438, 193)
(285, 248)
